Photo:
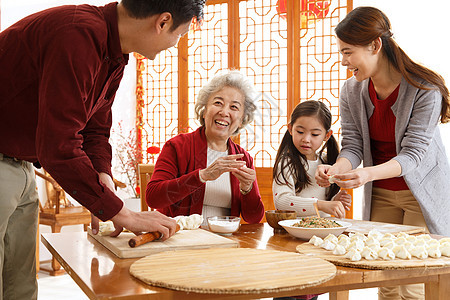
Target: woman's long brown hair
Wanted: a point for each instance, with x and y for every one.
(365, 24)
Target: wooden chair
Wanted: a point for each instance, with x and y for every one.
(57, 212)
(145, 173)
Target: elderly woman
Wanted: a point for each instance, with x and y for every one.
(205, 172)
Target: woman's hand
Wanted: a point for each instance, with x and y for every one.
(335, 208)
(353, 179)
(344, 198)
(246, 177)
(229, 163)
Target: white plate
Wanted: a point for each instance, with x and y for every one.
(307, 233)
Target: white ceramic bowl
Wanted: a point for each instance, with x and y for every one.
(225, 225)
(307, 233)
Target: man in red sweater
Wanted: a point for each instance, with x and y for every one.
(59, 72)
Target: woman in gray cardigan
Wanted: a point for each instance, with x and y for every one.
(390, 110)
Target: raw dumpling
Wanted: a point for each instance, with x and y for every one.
(343, 237)
(432, 242)
(411, 239)
(353, 255)
(419, 252)
(358, 236)
(419, 242)
(189, 222)
(400, 240)
(444, 240)
(106, 228)
(445, 249)
(357, 245)
(402, 234)
(433, 251)
(327, 245)
(369, 253)
(386, 254)
(386, 240)
(408, 246)
(316, 241)
(372, 242)
(388, 235)
(425, 237)
(390, 245)
(332, 238)
(344, 243)
(375, 234)
(339, 250)
(401, 252)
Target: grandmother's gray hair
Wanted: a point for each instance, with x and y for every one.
(233, 79)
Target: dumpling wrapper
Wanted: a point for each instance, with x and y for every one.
(353, 255)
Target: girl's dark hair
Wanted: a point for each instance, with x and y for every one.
(365, 24)
(288, 155)
(182, 11)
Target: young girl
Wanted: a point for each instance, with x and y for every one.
(294, 186)
(390, 110)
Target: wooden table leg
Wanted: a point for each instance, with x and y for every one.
(341, 295)
(439, 290)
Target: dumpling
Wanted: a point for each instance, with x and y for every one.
(390, 245)
(388, 235)
(433, 251)
(425, 237)
(374, 247)
(419, 252)
(316, 241)
(432, 242)
(327, 245)
(353, 255)
(419, 242)
(339, 250)
(411, 239)
(408, 246)
(357, 245)
(386, 254)
(358, 236)
(332, 238)
(386, 240)
(401, 252)
(444, 240)
(344, 243)
(375, 234)
(400, 240)
(372, 242)
(402, 234)
(189, 222)
(343, 237)
(369, 253)
(445, 249)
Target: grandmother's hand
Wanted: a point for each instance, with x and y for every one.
(246, 177)
(229, 163)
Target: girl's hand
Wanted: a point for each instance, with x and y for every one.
(353, 179)
(335, 208)
(246, 177)
(229, 163)
(344, 198)
(322, 175)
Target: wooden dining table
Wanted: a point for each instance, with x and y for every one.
(102, 275)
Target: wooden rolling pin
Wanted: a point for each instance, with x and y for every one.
(146, 237)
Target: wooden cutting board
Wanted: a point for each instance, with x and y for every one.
(184, 239)
(366, 226)
(378, 264)
(232, 270)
